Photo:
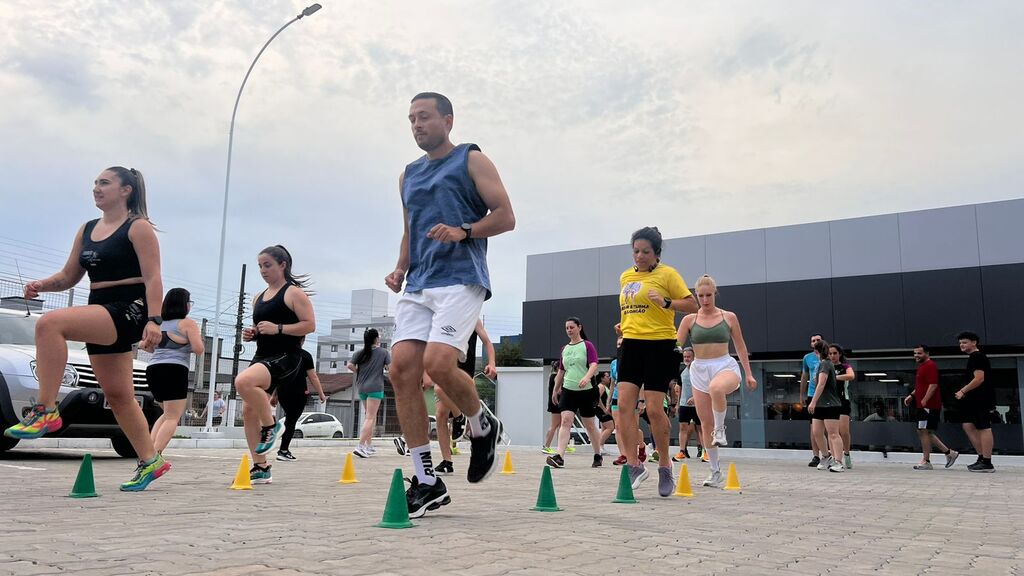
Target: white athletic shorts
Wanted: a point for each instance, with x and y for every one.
(702, 370)
(447, 315)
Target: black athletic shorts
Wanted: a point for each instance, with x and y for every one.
(826, 413)
(686, 413)
(283, 368)
(582, 401)
(844, 408)
(648, 363)
(552, 407)
(167, 381)
(127, 308)
(603, 416)
(928, 419)
(977, 413)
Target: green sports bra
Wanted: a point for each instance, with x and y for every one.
(718, 334)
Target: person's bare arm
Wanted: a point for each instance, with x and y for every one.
(147, 248)
(490, 370)
(395, 280)
(67, 277)
(741, 349)
(312, 375)
(499, 219)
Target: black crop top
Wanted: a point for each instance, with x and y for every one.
(112, 258)
(276, 312)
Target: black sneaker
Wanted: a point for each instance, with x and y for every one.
(458, 427)
(285, 456)
(982, 465)
(555, 461)
(598, 461)
(482, 460)
(814, 462)
(445, 467)
(421, 497)
(400, 446)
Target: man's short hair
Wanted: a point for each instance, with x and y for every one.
(925, 348)
(968, 335)
(444, 105)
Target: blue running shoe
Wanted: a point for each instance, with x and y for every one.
(268, 436)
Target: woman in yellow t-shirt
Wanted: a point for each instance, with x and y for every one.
(651, 294)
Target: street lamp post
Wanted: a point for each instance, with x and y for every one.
(308, 11)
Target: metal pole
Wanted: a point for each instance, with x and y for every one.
(224, 213)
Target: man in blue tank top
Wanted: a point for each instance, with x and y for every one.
(452, 201)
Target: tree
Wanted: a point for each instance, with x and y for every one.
(509, 354)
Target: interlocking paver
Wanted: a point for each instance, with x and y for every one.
(876, 519)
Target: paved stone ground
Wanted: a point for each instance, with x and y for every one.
(875, 519)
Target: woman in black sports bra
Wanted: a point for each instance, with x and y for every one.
(121, 255)
(282, 314)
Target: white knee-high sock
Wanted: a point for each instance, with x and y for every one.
(719, 419)
(713, 458)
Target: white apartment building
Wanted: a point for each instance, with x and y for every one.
(369, 310)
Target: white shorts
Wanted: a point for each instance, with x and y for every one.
(703, 370)
(447, 315)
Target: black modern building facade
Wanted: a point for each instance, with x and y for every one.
(878, 285)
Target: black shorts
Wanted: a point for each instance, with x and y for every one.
(127, 308)
(686, 413)
(167, 381)
(927, 419)
(582, 401)
(603, 416)
(283, 368)
(552, 407)
(826, 413)
(648, 363)
(977, 413)
(844, 408)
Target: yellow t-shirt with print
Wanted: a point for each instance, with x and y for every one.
(641, 318)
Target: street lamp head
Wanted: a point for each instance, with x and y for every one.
(310, 10)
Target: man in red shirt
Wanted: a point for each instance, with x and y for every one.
(928, 402)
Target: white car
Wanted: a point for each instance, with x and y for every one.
(318, 425)
(83, 407)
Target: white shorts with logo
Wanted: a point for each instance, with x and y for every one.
(703, 370)
(447, 315)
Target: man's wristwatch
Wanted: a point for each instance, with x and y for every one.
(155, 320)
(667, 304)
(468, 229)
(280, 328)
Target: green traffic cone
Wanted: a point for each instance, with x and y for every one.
(396, 511)
(546, 495)
(85, 487)
(625, 494)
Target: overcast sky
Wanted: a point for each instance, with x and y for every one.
(601, 117)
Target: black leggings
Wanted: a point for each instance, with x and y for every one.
(292, 411)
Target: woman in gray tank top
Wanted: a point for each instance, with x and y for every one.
(368, 365)
(167, 373)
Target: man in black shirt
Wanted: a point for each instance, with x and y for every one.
(977, 399)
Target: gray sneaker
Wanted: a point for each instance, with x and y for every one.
(951, 458)
(715, 480)
(637, 474)
(923, 466)
(666, 483)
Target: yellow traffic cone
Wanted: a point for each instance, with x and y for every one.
(242, 480)
(732, 481)
(507, 468)
(683, 487)
(348, 475)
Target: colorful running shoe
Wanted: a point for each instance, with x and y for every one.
(37, 423)
(268, 436)
(146, 473)
(570, 449)
(260, 474)
(548, 450)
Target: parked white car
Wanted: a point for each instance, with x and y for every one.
(318, 425)
(81, 401)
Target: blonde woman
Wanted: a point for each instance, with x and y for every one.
(714, 374)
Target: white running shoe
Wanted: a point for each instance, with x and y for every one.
(715, 480)
(361, 451)
(836, 466)
(825, 463)
(718, 437)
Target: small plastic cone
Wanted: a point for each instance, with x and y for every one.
(348, 474)
(683, 487)
(507, 468)
(546, 501)
(396, 511)
(85, 486)
(732, 481)
(625, 493)
(242, 480)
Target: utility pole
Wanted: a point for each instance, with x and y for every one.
(71, 297)
(238, 329)
(201, 360)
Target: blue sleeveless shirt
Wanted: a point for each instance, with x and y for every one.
(441, 191)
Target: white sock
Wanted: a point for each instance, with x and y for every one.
(477, 425)
(719, 419)
(713, 458)
(423, 465)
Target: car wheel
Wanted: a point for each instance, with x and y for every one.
(298, 434)
(7, 443)
(123, 447)
(338, 434)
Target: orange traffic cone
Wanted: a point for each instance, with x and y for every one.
(683, 487)
(242, 480)
(348, 474)
(732, 481)
(507, 468)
